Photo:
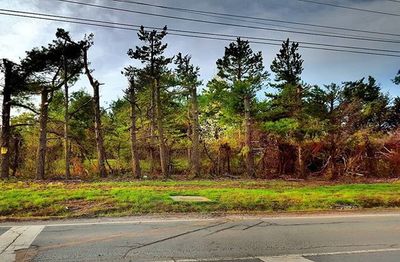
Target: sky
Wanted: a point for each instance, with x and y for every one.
(109, 54)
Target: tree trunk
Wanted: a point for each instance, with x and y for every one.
(334, 171)
(248, 137)
(17, 145)
(101, 153)
(134, 148)
(195, 154)
(333, 166)
(66, 124)
(189, 136)
(153, 128)
(5, 127)
(41, 155)
(370, 157)
(159, 116)
(300, 162)
(333, 138)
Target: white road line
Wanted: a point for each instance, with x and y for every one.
(285, 259)
(226, 259)
(289, 258)
(352, 252)
(16, 238)
(8, 237)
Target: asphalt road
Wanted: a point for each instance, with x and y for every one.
(320, 238)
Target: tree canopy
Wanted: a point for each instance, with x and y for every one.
(171, 123)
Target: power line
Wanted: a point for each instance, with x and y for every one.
(267, 24)
(349, 7)
(193, 32)
(188, 34)
(229, 24)
(254, 18)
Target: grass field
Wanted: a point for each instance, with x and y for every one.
(32, 199)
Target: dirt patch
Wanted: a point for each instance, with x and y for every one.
(70, 208)
(26, 255)
(83, 207)
(190, 199)
(79, 205)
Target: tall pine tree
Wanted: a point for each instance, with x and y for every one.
(288, 102)
(188, 78)
(152, 55)
(243, 71)
(288, 64)
(134, 77)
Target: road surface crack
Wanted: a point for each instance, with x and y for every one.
(171, 237)
(255, 225)
(220, 230)
(15, 239)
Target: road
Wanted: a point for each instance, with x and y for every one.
(367, 237)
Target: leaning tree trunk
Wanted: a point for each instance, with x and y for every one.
(134, 148)
(160, 128)
(5, 127)
(248, 137)
(101, 153)
(44, 114)
(195, 154)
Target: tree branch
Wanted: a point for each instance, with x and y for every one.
(24, 106)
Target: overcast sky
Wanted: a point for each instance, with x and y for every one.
(108, 56)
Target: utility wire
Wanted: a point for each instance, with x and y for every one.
(349, 7)
(191, 31)
(233, 18)
(254, 18)
(189, 35)
(268, 24)
(229, 24)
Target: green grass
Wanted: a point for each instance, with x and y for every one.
(32, 199)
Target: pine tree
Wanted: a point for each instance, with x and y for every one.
(243, 70)
(188, 78)
(133, 75)
(288, 65)
(47, 74)
(71, 54)
(14, 83)
(101, 152)
(151, 54)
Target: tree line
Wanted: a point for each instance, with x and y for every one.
(164, 127)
